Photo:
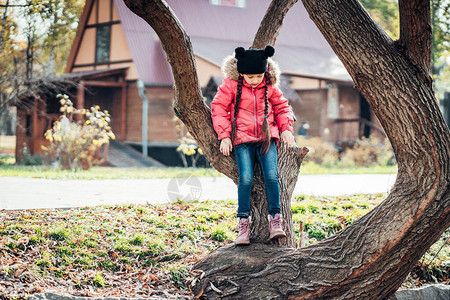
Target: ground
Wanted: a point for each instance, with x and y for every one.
(148, 250)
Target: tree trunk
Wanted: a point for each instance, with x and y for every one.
(289, 161)
(371, 257)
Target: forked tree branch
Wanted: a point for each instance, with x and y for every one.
(179, 54)
(267, 32)
(188, 102)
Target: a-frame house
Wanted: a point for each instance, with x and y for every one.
(119, 64)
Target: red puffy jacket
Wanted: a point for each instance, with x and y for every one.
(251, 107)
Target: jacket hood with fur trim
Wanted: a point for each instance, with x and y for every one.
(229, 69)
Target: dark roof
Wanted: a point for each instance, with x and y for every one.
(210, 89)
(288, 92)
(93, 74)
(298, 60)
(215, 32)
(148, 55)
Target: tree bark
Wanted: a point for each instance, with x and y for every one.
(415, 32)
(289, 161)
(196, 115)
(371, 257)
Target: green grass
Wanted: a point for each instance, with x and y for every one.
(311, 168)
(324, 216)
(95, 247)
(47, 172)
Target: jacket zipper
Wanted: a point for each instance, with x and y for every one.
(256, 115)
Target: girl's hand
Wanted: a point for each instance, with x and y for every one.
(226, 146)
(288, 138)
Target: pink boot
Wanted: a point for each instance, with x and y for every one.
(244, 232)
(275, 228)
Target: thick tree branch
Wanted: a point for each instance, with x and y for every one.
(267, 32)
(188, 102)
(181, 57)
(415, 32)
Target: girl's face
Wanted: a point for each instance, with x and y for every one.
(253, 79)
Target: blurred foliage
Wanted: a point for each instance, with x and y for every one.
(37, 41)
(51, 26)
(188, 146)
(29, 159)
(385, 13)
(7, 160)
(320, 152)
(367, 152)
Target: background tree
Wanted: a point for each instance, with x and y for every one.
(36, 40)
(372, 256)
(3, 26)
(385, 13)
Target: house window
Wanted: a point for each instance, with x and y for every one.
(333, 101)
(234, 3)
(103, 44)
(29, 125)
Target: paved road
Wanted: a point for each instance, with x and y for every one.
(31, 193)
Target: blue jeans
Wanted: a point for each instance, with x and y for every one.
(245, 159)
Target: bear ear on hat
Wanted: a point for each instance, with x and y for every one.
(269, 51)
(240, 51)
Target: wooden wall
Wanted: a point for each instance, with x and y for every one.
(348, 108)
(311, 108)
(161, 126)
(134, 114)
(21, 132)
(31, 124)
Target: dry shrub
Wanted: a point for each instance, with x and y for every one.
(188, 146)
(367, 152)
(76, 142)
(361, 153)
(320, 152)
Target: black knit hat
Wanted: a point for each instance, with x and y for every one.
(253, 61)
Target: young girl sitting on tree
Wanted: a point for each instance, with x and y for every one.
(250, 113)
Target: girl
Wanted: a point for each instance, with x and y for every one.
(249, 113)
